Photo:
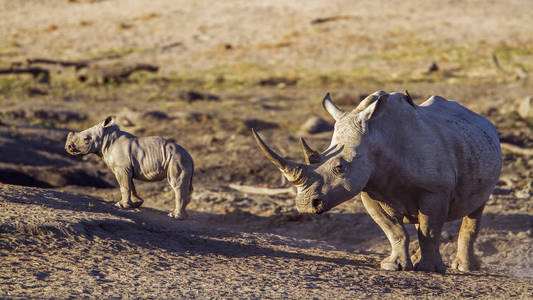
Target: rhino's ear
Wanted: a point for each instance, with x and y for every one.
(374, 110)
(331, 108)
(368, 101)
(108, 121)
(409, 99)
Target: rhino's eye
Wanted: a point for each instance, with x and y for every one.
(338, 170)
(87, 139)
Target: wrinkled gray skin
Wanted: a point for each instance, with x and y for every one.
(144, 158)
(423, 165)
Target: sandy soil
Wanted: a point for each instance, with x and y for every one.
(225, 67)
(69, 245)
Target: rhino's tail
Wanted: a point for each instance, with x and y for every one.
(191, 189)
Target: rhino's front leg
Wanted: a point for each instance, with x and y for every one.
(395, 232)
(124, 178)
(432, 213)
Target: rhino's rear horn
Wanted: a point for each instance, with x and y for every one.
(311, 156)
(291, 170)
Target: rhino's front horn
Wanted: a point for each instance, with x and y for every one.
(291, 170)
(311, 156)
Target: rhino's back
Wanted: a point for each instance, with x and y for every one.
(149, 158)
(153, 154)
(460, 118)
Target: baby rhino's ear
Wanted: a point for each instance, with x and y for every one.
(108, 121)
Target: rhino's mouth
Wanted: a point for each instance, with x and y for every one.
(71, 148)
(316, 206)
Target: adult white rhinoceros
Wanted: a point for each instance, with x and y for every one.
(424, 164)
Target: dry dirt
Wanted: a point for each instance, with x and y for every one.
(225, 67)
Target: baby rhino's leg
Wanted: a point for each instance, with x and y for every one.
(180, 177)
(137, 201)
(124, 176)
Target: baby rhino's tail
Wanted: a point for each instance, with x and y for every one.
(192, 177)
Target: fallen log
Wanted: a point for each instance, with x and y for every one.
(67, 63)
(42, 75)
(63, 63)
(115, 73)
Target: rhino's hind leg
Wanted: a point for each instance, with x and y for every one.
(180, 179)
(395, 232)
(431, 216)
(465, 260)
(137, 201)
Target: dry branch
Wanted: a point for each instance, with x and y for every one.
(517, 150)
(43, 75)
(258, 190)
(63, 63)
(333, 18)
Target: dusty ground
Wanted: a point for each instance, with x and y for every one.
(225, 67)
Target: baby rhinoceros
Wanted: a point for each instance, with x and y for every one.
(143, 158)
(420, 164)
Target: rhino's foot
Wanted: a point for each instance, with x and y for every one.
(430, 265)
(415, 258)
(137, 203)
(465, 265)
(396, 263)
(178, 215)
(123, 204)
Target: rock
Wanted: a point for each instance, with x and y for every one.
(128, 118)
(192, 116)
(525, 107)
(260, 124)
(58, 116)
(433, 67)
(278, 81)
(31, 114)
(155, 115)
(131, 118)
(521, 73)
(316, 125)
(191, 96)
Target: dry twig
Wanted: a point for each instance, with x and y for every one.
(517, 150)
(258, 190)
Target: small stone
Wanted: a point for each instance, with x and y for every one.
(433, 67)
(523, 194)
(191, 96)
(522, 234)
(525, 108)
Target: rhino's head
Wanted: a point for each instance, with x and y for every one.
(89, 140)
(343, 170)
